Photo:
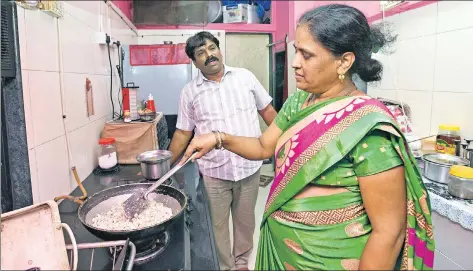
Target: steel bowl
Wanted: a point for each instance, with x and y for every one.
(154, 164)
(147, 116)
(437, 166)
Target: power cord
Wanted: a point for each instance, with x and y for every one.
(120, 75)
(114, 114)
(107, 40)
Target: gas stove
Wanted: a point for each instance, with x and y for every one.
(168, 251)
(147, 250)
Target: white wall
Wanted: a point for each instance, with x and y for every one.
(82, 58)
(432, 65)
(250, 51)
(452, 244)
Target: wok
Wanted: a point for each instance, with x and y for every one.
(103, 201)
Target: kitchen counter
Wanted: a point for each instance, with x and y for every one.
(202, 244)
(456, 209)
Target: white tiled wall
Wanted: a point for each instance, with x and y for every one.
(43, 103)
(452, 244)
(431, 66)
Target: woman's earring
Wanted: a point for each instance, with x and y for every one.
(341, 77)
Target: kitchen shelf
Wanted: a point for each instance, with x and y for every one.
(230, 28)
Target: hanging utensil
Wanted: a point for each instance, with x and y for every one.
(138, 202)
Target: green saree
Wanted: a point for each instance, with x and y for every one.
(332, 144)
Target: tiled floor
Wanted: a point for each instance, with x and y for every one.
(263, 194)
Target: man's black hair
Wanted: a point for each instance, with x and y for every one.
(198, 40)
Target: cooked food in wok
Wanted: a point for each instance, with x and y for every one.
(115, 218)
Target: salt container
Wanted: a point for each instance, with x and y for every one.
(108, 153)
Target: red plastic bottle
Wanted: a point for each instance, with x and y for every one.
(150, 103)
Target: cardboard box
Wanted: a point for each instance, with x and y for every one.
(233, 14)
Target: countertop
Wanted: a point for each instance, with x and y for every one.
(456, 209)
(203, 250)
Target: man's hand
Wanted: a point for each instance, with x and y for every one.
(180, 139)
(268, 114)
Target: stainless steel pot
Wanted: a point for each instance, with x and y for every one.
(460, 184)
(154, 164)
(437, 166)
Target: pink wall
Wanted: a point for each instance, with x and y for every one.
(371, 9)
(282, 23)
(126, 6)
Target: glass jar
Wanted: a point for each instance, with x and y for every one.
(108, 153)
(445, 142)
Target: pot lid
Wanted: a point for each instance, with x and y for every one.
(462, 172)
(106, 140)
(155, 156)
(445, 159)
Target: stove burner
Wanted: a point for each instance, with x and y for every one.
(147, 250)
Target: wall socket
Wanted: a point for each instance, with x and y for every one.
(101, 38)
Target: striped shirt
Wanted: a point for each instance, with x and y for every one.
(229, 106)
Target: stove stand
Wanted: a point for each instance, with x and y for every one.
(147, 250)
(171, 250)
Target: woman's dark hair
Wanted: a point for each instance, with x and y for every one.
(340, 29)
(198, 40)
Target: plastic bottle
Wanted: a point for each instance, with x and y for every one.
(150, 103)
(126, 116)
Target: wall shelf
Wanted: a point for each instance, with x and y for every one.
(230, 28)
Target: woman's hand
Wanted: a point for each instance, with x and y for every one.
(202, 145)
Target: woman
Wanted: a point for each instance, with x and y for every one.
(347, 193)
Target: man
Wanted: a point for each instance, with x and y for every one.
(227, 99)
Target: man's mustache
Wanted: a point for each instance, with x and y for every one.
(210, 59)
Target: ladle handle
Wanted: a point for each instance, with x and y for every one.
(167, 176)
